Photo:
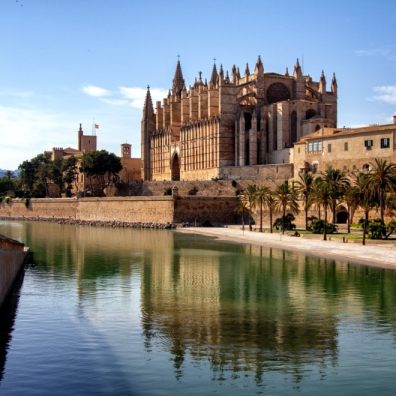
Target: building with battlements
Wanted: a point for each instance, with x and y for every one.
(219, 128)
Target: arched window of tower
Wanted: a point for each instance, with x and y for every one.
(277, 92)
(310, 113)
(248, 121)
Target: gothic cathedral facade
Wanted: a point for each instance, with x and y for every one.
(232, 122)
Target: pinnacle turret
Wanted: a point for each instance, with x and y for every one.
(213, 79)
(259, 68)
(322, 83)
(297, 69)
(247, 71)
(334, 84)
(178, 80)
(221, 74)
(148, 109)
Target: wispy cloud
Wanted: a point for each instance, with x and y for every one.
(385, 94)
(124, 96)
(136, 95)
(27, 131)
(93, 90)
(17, 94)
(114, 102)
(387, 52)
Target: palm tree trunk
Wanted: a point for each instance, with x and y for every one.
(306, 212)
(261, 215)
(365, 226)
(349, 220)
(270, 214)
(325, 224)
(382, 205)
(283, 219)
(334, 207)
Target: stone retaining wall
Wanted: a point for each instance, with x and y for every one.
(141, 211)
(12, 255)
(126, 209)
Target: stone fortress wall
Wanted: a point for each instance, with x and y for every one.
(158, 210)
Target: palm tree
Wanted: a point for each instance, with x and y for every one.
(286, 199)
(250, 196)
(367, 198)
(241, 208)
(270, 203)
(315, 196)
(324, 196)
(261, 196)
(351, 198)
(9, 177)
(381, 179)
(337, 183)
(305, 189)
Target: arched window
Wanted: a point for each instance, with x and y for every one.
(277, 92)
(248, 121)
(310, 113)
(175, 168)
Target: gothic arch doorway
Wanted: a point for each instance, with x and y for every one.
(175, 168)
(342, 215)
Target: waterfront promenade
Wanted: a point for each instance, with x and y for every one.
(376, 255)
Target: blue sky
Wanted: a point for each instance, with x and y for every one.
(63, 62)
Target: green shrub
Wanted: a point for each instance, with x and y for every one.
(317, 227)
(310, 220)
(377, 229)
(285, 223)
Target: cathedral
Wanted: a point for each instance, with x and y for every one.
(215, 129)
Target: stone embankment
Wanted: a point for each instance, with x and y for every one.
(95, 223)
(138, 212)
(12, 256)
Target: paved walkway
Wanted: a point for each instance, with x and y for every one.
(373, 255)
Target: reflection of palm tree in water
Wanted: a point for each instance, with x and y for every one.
(220, 308)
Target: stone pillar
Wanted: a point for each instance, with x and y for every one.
(236, 144)
(242, 141)
(253, 142)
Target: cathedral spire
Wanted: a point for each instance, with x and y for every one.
(148, 109)
(234, 74)
(221, 74)
(247, 71)
(334, 84)
(287, 72)
(178, 80)
(213, 79)
(297, 69)
(259, 68)
(322, 83)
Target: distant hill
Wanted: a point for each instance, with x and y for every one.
(4, 171)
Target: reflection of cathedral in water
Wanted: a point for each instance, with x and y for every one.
(248, 316)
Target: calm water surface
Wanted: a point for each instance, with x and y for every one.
(123, 312)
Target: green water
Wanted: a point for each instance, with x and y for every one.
(106, 311)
